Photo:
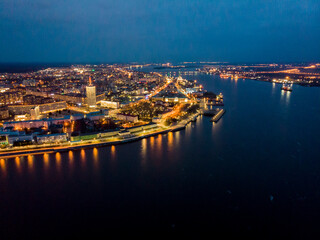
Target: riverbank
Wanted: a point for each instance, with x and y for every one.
(40, 149)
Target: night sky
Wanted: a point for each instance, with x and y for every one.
(159, 30)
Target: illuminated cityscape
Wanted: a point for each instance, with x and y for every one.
(132, 102)
(162, 119)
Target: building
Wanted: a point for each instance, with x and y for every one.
(29, 82)
(77, 116)
(4, 113)
(125, 134)
(91, 95)
(145, 127)
(95, 116)
(52, 107)
(59, 121)
(43, 108)
(21, 117)
(27, 124)
(20, 109)
(51, 138)
(74, 98)
(35, 113)
(127, 117)
(24, 139)
(7, 98)
(110, 104)
(10, 132)
(33, 99)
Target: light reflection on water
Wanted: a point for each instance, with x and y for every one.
(273, 88)
(151, 143)
(83, 158)
(46, 162)
(143, 151)
(70, 154)
(288, 94)
(216, 127)
(159, 146)
(3, 167)
(18, 164)
(113, 153)
(170, 141)
(188, 129)
(282, 95)
(71, 161)
(177, 136)
(58, 161)
(95, 153)
(30, 163)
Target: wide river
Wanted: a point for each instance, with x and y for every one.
(255, 173)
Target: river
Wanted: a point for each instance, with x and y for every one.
(254, 173)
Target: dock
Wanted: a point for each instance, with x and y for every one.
(217, 117)
(208, 112)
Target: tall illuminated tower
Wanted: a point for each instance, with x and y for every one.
(91, 94)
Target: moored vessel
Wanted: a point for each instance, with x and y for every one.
(287, 87)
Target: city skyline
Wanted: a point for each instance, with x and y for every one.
(154, 31)
(165, 118)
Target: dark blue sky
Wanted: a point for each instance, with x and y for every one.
(159, 30)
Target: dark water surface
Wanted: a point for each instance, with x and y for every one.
(255, 173)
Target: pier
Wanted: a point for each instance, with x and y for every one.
(217, 117)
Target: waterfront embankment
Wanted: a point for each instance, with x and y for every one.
(50, 148)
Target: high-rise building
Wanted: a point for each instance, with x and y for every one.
(35, 113)
(91, 94)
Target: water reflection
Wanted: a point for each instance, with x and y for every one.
(288, 95)
(177, 137)
(95, 158)
(30, 162)
(71, 160)
(46, 161)
(151, 142)
(113, 152)
(58, 160)
(273, 88)
(188, 129)
(159, 148)
(70, 154)
(285, 97)
(235, 81)
(199, 124)
(144, 151)
(3, 166)
(282, 95)
(216, 127)
(83, 157)
(17, 163)
(170, 140)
